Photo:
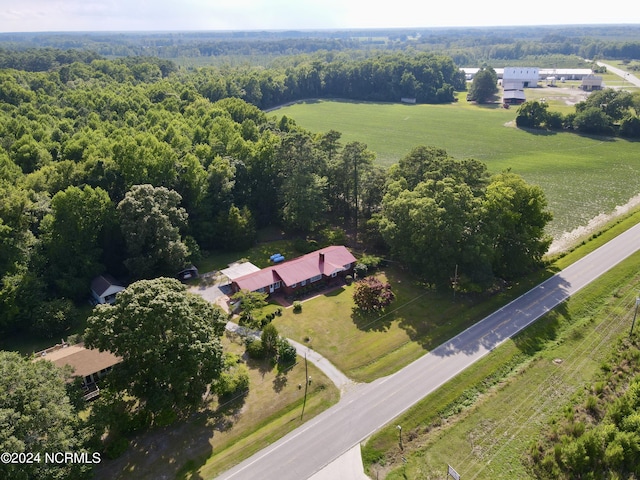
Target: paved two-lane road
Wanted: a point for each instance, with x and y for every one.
(629, 77)
(365, 409)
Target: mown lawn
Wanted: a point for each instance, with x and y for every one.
(581, 176)
(369, 346)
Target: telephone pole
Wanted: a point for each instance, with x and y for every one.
(635, 314)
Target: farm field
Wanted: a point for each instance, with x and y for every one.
(581, 176)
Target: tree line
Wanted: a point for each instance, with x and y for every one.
(126, 170)
(428, 78)
(468, 46)
(604, 112)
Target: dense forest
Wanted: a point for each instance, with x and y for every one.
(134, 167)
(467, 46)
(428, 78)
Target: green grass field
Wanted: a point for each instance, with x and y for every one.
(581, 176)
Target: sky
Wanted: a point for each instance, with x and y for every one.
(172, 15)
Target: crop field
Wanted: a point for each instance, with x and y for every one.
(581, 176)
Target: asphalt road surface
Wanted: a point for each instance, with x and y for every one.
(629, 77)
(367, 408)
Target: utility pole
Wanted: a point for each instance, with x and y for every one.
(635, 314)
(455, 282)
(307, 381)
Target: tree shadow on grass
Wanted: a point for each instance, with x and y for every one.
(178, 450)
(376, 321)
(263, 365)
(539, 132)
(280, 381)
(444, 323)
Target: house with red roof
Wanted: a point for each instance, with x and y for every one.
(289, 276)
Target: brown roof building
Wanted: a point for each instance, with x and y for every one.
(89, 364)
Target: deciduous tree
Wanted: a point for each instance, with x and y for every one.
(36, 418)
(151, 220)
(484, 85)
(169, 341)
(532, 114)
(515, 216)
(74, 230)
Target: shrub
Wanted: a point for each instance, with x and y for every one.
(254, 349)
(348, 279)
(233, 381)
(333, 236)
(360, 270)
(305, 245)
(370, 261)
(630, 127)
(286, 352)
(591, 403)
(554, 121)
(269, 340)
(371, 294)
(297, 307)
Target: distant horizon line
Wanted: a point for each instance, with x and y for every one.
(322, 29)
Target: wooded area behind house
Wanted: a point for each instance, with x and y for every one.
(138, 166)
(133, 166)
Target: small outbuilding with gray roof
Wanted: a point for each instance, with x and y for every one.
(105, 288)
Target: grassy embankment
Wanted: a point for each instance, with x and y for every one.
(484, 421)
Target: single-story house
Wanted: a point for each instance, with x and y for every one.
(104, 289)
(89, 364)
(289, 276)
(591, 82)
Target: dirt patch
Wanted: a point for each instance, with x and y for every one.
(570, 239)
(569, 95)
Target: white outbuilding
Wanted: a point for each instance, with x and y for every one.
(517, 78)
(104, 289)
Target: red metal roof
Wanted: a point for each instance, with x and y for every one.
(321, 262)
(257, 280)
